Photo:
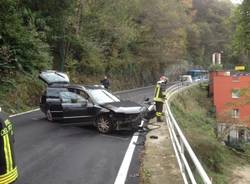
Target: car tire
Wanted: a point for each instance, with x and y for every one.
(104, 125)
(49, 115)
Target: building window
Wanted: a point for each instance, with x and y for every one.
(235, 113)
(235, 93)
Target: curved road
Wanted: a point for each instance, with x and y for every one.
(50, 153)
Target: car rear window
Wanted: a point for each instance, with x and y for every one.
(51, 77)
(54, 92)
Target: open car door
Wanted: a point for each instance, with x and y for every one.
(54, 77)
(75, 108)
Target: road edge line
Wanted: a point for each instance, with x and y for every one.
(123, 171)
(22, 113)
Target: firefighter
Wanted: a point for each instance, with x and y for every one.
(159, 97)
(8, 169)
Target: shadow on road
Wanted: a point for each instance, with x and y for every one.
(90, 130)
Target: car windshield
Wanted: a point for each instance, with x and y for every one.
(102, 96)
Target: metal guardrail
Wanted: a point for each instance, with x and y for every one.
(133, 90)
(180, 143)
(140, 88)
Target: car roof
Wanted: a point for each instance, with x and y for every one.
(93, 86)
(76, 86)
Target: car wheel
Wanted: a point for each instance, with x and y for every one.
(104, 125)
(49, 115)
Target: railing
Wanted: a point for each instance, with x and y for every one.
(180, 143)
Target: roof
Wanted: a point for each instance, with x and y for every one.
(232, 73)
(238, 74)
(76, 86)
(93, 86)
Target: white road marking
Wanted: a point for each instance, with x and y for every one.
(24, 113)
(123, 171)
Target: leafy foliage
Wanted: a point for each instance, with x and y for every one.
(132, 41)
(89, 37)
(210, 31)
(242, 35)
(21, 46)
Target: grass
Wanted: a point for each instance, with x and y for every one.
(145, 176)
(194, 112)
(20, 94)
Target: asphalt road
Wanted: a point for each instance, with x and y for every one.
(50, 153)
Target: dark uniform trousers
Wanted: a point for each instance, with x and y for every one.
(8, 169)
(159, 100)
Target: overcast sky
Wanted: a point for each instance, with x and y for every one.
(236, 1)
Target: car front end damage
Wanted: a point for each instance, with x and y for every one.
(126, 121)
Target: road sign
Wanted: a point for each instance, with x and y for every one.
(239, 68)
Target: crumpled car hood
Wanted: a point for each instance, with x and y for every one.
(126, 107)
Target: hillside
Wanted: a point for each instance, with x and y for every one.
(194, 112)
(133, 42)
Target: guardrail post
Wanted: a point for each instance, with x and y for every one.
(182, 152)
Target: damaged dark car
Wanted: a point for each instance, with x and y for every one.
(86, 104)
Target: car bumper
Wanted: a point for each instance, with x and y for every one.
(128, 124)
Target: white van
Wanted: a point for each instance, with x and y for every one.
(186, 79)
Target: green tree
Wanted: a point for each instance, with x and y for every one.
(21, 46)
(242, 35)
(210, 31)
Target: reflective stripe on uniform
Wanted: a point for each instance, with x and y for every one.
(158, 91)
(6, 153)
(155, 90)
(158, 100)
(7, 122)
(157, 94)
(159, 113)
(10, 172)
(9, 177)
(9, 153)
(7, 148)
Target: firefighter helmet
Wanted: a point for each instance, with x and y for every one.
(164, 79)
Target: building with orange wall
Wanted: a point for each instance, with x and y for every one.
(230, 93)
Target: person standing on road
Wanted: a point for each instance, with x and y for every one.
(159, 97)
(8, 169)
(105, 82)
